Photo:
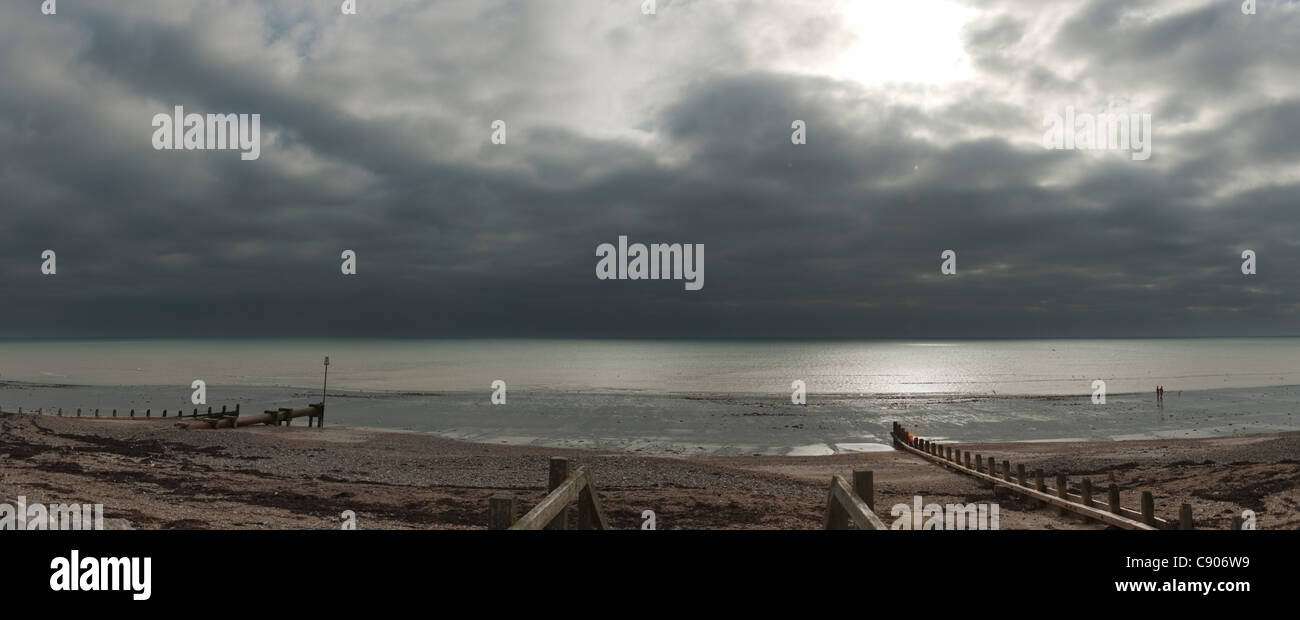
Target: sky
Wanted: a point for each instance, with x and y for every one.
(924, 127)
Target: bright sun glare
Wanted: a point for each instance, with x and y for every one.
(912, 41)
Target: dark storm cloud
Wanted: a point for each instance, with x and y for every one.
(667, 129)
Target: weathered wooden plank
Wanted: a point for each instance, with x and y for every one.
(578, 488)
(836, 518)
(590, 514)
(550, 506)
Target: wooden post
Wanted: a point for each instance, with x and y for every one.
(1039, 485)
(1236, 522)
(559, 473)
(1113, 493)
(836, 517)
(1148, 508)
(865, 486)
(1020, 473)
(115, 413)
(979, 462)
(501, 512)
(78, 412)
(132, 414)
(968, 459)
(1185, 517)
(1085, 493)
(1061, 490)
(60, 411)
(1006, 470)
(97, 413)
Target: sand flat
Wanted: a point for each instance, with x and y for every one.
(155, 476)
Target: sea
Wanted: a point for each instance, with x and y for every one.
(729, 397)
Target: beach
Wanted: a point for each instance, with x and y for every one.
(155, 476)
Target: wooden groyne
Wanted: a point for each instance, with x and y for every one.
(1083, 502)
(845, 503)
(111, 414)
(196, 419)
(550, 513)
(856, 503)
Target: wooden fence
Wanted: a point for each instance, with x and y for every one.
(550, 513)
(1083, 503)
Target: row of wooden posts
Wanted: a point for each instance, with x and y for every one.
(314, 412)
(148, 413)
(1084, 503)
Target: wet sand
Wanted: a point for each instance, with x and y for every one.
(158, 477)
(732, 424)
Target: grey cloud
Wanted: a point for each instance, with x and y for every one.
(385, 151)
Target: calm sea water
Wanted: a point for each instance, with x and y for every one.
(693, 397)
(1005, 367)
